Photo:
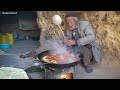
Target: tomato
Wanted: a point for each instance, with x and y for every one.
(66, 55)
(61, 61)
(76, 59)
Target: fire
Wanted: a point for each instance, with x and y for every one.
(67, 76)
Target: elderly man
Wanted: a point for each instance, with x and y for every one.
(81, 37)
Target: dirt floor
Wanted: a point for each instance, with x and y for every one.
(100, 71)
(103, 73)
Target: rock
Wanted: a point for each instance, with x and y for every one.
(36, 75)
(106, 26)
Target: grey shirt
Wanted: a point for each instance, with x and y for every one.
(86, 32)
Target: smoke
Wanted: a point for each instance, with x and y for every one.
(57, 46)
(66, 55)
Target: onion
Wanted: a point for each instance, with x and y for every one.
(57, 20)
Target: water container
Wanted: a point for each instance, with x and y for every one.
(4, 39)
(5, 46)
(11, 38)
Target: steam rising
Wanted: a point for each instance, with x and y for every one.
(57, 46)
(60, 48)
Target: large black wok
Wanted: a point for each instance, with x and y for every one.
(52, 65)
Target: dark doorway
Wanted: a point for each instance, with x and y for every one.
(23, 25)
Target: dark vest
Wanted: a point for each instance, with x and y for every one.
(75, 36)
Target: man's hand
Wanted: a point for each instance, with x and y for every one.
(71, 42)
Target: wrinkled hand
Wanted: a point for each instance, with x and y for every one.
(65, 39)
(71, 42)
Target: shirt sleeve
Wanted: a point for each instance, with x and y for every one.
(89, 36)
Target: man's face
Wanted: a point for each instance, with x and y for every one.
(70, 22)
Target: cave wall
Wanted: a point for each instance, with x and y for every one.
(106, 26)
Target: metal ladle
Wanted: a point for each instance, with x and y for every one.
(57, 21)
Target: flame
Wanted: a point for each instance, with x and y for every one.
(67, 76)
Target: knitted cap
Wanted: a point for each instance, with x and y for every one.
(71, 14)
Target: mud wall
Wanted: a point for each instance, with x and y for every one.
(106, 26)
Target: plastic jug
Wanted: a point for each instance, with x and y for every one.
(11, 38)
(4, 39)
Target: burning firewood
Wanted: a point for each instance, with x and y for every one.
(67, 76)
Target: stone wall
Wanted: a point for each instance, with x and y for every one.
(106, 26)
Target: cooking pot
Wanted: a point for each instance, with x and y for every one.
(52, 65)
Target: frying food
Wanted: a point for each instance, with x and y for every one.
(60, 58)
